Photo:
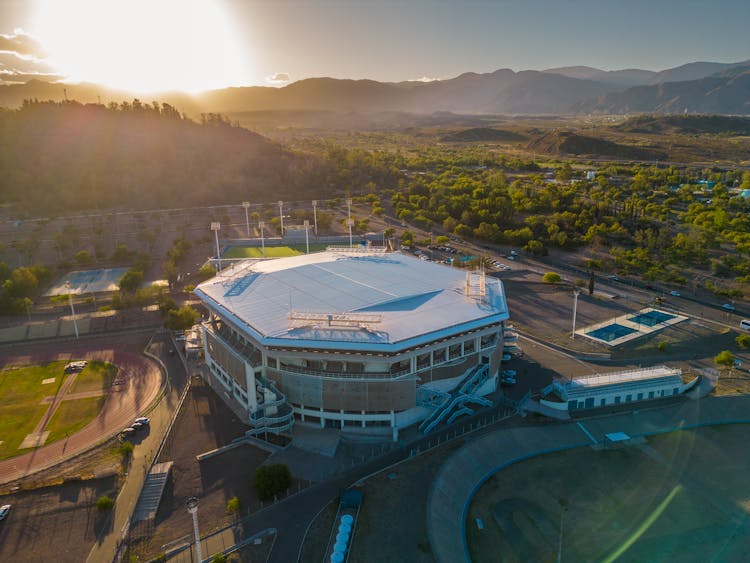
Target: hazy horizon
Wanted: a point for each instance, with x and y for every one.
(198, 45)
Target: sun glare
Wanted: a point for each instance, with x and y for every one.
(142, 45)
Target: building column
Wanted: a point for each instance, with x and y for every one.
(363, 420)
(322, 419)
(342, 419)
(394, 428)
(302, 413)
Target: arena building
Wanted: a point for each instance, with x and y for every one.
(351, 339)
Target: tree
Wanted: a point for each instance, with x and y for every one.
(724, 358)
(182, 318)
(234, 505)
(104, 503)
(131, 281)
(551, 277)
(218, 558)
(83, 257)
(743, 341)
(271, 480)
(206, 272)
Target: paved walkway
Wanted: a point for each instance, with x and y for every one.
(465, 471)
(143, 383)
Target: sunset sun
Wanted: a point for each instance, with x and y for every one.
(142, 46)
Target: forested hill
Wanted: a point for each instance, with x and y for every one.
(57, 157)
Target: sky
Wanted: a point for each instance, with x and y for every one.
(194, 45)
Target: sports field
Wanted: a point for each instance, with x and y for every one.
(26, 394)
(678, 497)
(270, 252)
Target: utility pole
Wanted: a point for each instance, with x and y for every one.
(192, 508)
(576, 292)
(261, 226)
(281, 217)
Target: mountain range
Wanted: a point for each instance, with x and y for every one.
(698, 87)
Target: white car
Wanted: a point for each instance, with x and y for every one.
(4, 510)
(142, 420)
(508, 373)
(674, 293)
(728, 306)
(506, 358)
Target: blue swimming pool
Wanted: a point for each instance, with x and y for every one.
(611, 332)
(651, 318)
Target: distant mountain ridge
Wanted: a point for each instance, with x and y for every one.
(699, 86)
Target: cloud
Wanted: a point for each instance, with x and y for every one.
(22, 45)
(278, 78)
(13, 76)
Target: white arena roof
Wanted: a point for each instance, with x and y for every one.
(352, 300)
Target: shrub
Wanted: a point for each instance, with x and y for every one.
(234, 505)
(743, 341)
(218, 558)
(104, 503)
(271, 480)
(661, 346)
(551, 277)
(724, 358)
(125, 449)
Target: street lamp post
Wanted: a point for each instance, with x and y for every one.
(315, 215)
(72, 311)
(349, 222)
(192, 508)
(261, 226)
(307, 238)
(281, 217)
(246, 204)
(215, 226)
(576, 292)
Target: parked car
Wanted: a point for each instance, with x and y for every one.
(508, 373)
(728, 306)
(142, 420)
(507, 381)
(506, 357)
(4, 511)
(674, 293)
(126, 432)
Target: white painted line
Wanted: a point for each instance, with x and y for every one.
(48, 380)
(585, 431)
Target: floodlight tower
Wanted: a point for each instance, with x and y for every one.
(246, 204)
(315, 215)
(72, 311)
(281, 216)
(261, 226)
(192, 508)
(349, 218)
(307, 237)
(215, 226)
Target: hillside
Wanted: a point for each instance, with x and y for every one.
(482, 134)
(686, 124)
(697, 87)
(70, 156)
(727, 92)
(567, 143)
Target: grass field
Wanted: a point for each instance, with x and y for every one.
(71, 416)
(679, 497)
(21, 392)
(96, 376)
(271, 251)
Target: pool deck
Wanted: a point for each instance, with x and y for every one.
(639, 328)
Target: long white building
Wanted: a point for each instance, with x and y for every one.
(347, 338)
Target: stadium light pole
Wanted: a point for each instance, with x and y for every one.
(576, 292)
(315, 215)
(72, 311)
(281, 217)
(349, 222)
(261, 225)
(215, 226)
(192, 508)
(246, 204)
(307, 238)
